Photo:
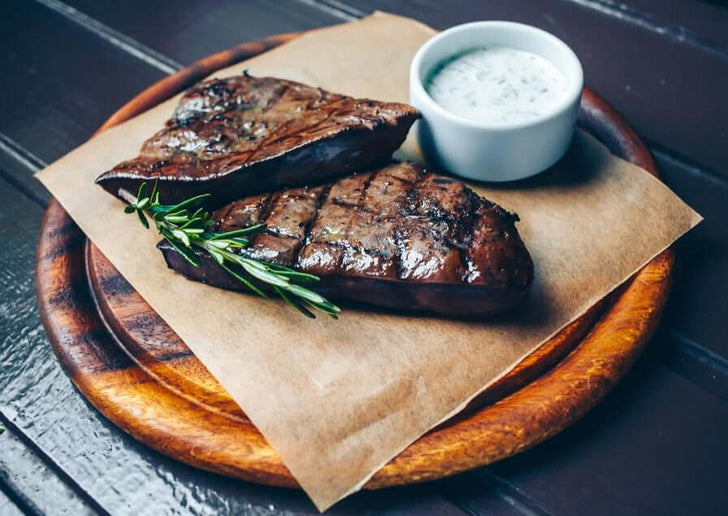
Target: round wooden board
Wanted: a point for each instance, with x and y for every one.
(134, 369)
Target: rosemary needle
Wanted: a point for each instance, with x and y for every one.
(186, 226)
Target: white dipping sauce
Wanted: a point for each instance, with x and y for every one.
(497, 85)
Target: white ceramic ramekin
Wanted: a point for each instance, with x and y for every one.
(489, 152)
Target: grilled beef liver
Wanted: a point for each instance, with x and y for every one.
(398, 237)
(243, 135)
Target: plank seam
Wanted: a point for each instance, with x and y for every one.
(494, 488)
(462, 505)
(658, 150)
(644, 20)
(336, 8)
(52, 465)
(21, 501)
(698, 365)
(27, 160)
(114, 37)
(720, 363)
(511, 494)
(20, 154)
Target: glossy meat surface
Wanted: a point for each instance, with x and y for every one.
(399, 237)
(242, 135)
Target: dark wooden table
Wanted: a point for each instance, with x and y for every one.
(656, 445)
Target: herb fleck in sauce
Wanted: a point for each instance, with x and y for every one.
(498, 85)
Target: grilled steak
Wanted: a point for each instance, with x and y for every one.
(244, 135)
(398, 237)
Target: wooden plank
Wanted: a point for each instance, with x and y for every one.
(694, 362)
(654, 446)
(7, 506)
(17, 166)
(482, 492)
(24, 474)
(698, 23)
(190, 30)
(699, 299)
(672, 92)
(119, 473)
(61, 81)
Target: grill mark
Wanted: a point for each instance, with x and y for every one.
(375, 118)
(267, 207)
(466, 232)
(265, 141)
(348, 205)
(399, 244)
(348, 246)
(280, 131)
(265, 212)
(465, 260)
(273, 232)
(408, 208)
(307, 228)
(323, 196)
(329, 115)
(405, 210)
(362, 207)
(227, 212)
(325, 122)
(364, 192)
(258, 147)
(235, 109)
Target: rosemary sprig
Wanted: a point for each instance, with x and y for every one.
(186, 227)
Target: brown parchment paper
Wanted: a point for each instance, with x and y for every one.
(338, 399)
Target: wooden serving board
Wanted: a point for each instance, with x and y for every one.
(135, 370)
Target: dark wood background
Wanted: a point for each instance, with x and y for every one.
(656, 445)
